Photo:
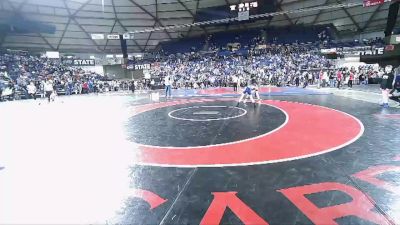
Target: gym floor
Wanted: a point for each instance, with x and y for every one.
(296, 157)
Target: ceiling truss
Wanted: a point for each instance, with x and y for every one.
(79, 21)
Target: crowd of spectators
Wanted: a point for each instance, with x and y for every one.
(280, 65)
(298, 64)
(28, 76)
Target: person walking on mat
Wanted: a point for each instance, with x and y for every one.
(168, 85)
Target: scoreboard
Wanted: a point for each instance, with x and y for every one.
(246, 6)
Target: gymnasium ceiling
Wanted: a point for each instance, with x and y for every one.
(76, 20)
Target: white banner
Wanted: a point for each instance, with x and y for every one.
(146, 74)
(328, 50)
(113, 37)
(243, 15)
(97, 36)
(53, 55)
(128, 36)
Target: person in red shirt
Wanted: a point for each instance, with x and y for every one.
(339, 78)
(351, 78)
(85, 87)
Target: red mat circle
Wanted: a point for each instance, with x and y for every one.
(311, 130)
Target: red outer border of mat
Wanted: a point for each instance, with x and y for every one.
(310, 130)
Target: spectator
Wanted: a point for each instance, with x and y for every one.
(48, 88)
(85, 88)
(351, 78)
(168, 85)
(32, 90)
(331, 79)
(339, 77)
(235, 82)
(387, 85)
(132, 86)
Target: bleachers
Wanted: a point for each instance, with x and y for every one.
(247, 38)
(183, 45)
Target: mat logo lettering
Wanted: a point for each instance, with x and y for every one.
(360, 205)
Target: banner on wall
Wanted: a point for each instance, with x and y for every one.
(139, 66)
(128, 36)
(355, 51)
(79, 62)
(113, 36)
(52, 55)
(328, 50)
(97, 36)
(146, 74)
(243, 15)
(368, 3)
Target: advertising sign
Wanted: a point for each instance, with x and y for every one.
(79, 62)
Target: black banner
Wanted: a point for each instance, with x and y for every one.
(146, 66)
(355, 51)
(79, 62)
(391, 57)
